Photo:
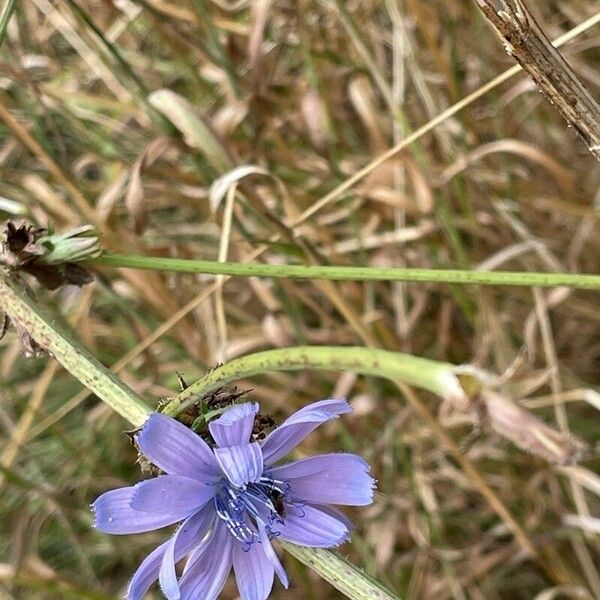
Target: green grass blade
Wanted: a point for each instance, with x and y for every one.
(196, 133)
(7, 11)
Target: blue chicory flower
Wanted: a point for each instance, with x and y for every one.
(232, 500)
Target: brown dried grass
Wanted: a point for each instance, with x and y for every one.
(310, 92)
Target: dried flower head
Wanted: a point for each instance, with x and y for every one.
(233, 500)
(50, 257)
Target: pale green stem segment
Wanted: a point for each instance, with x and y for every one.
(346, 273)
(437, 377)
(51, 336)
(340, 573)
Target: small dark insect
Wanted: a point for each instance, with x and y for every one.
(277, 498)
(223, 396)
(262, 424)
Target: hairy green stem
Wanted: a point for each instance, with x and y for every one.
(513, 278)
(437, 377)
(51, 336)
(342, 574)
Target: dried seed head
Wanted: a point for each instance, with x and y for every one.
(49, 257)
(20, 244)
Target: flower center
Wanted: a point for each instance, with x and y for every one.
(257, 504)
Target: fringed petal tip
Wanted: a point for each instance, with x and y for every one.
(241, 464)
(345, 538)
(338, 478)
(297, 426)
(114, 514)
(234, 426)
(95, 521)
(332, 408)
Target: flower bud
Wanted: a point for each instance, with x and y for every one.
(71, 246)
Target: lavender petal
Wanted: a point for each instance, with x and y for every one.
(173, 493)
(234, 426)
(253, 572)
(295, 428)
(272, 556)
(190, 534)
(206, 571)
(335, 513)
(328, 479)
(114, 514)
(241, 464)
(310, 526)
(175, 449)
(146, 574)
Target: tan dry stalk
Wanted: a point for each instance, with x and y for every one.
(526, 42)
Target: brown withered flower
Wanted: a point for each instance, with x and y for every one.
(49, 257)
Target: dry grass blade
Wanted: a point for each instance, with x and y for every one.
(358, 134)
(196, 133)
(134, 198)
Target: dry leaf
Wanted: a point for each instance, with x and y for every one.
(528, 432)
(315, 117)
(134, 197)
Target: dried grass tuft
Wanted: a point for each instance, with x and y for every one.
(124, 114)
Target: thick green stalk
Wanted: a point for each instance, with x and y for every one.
(516, 278)
(342, 574)
(51, 336)
(437, 377)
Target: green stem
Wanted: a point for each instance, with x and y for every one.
(340, 573)
(437, 377)
(515, 278)
(51, 336)
(215, 47)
